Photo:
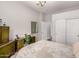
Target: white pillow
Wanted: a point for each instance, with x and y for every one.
(76, 49)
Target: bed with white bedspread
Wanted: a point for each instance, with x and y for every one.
(46, 49)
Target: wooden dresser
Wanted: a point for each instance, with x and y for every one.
(4, 34)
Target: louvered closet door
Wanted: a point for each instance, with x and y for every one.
(72, 31)
(60, 31)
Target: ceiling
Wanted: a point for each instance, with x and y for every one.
(54, 6)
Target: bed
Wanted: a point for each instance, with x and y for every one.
(45, 49)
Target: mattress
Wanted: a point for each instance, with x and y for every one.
(45, 49)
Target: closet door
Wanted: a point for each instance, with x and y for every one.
(45, 30)
(60, 31)
(72, 31)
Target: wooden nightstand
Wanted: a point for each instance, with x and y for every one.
(33, 39)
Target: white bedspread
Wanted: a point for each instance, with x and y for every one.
(45, 49)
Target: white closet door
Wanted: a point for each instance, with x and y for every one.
(45, 33)
(72, 31)
(60, 31)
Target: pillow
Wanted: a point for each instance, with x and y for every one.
(76, 49)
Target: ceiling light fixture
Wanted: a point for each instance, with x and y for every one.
(41, 3)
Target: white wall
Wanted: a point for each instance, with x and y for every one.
(67, 15)
(18, 17)
(47, 17)
(64, 15)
